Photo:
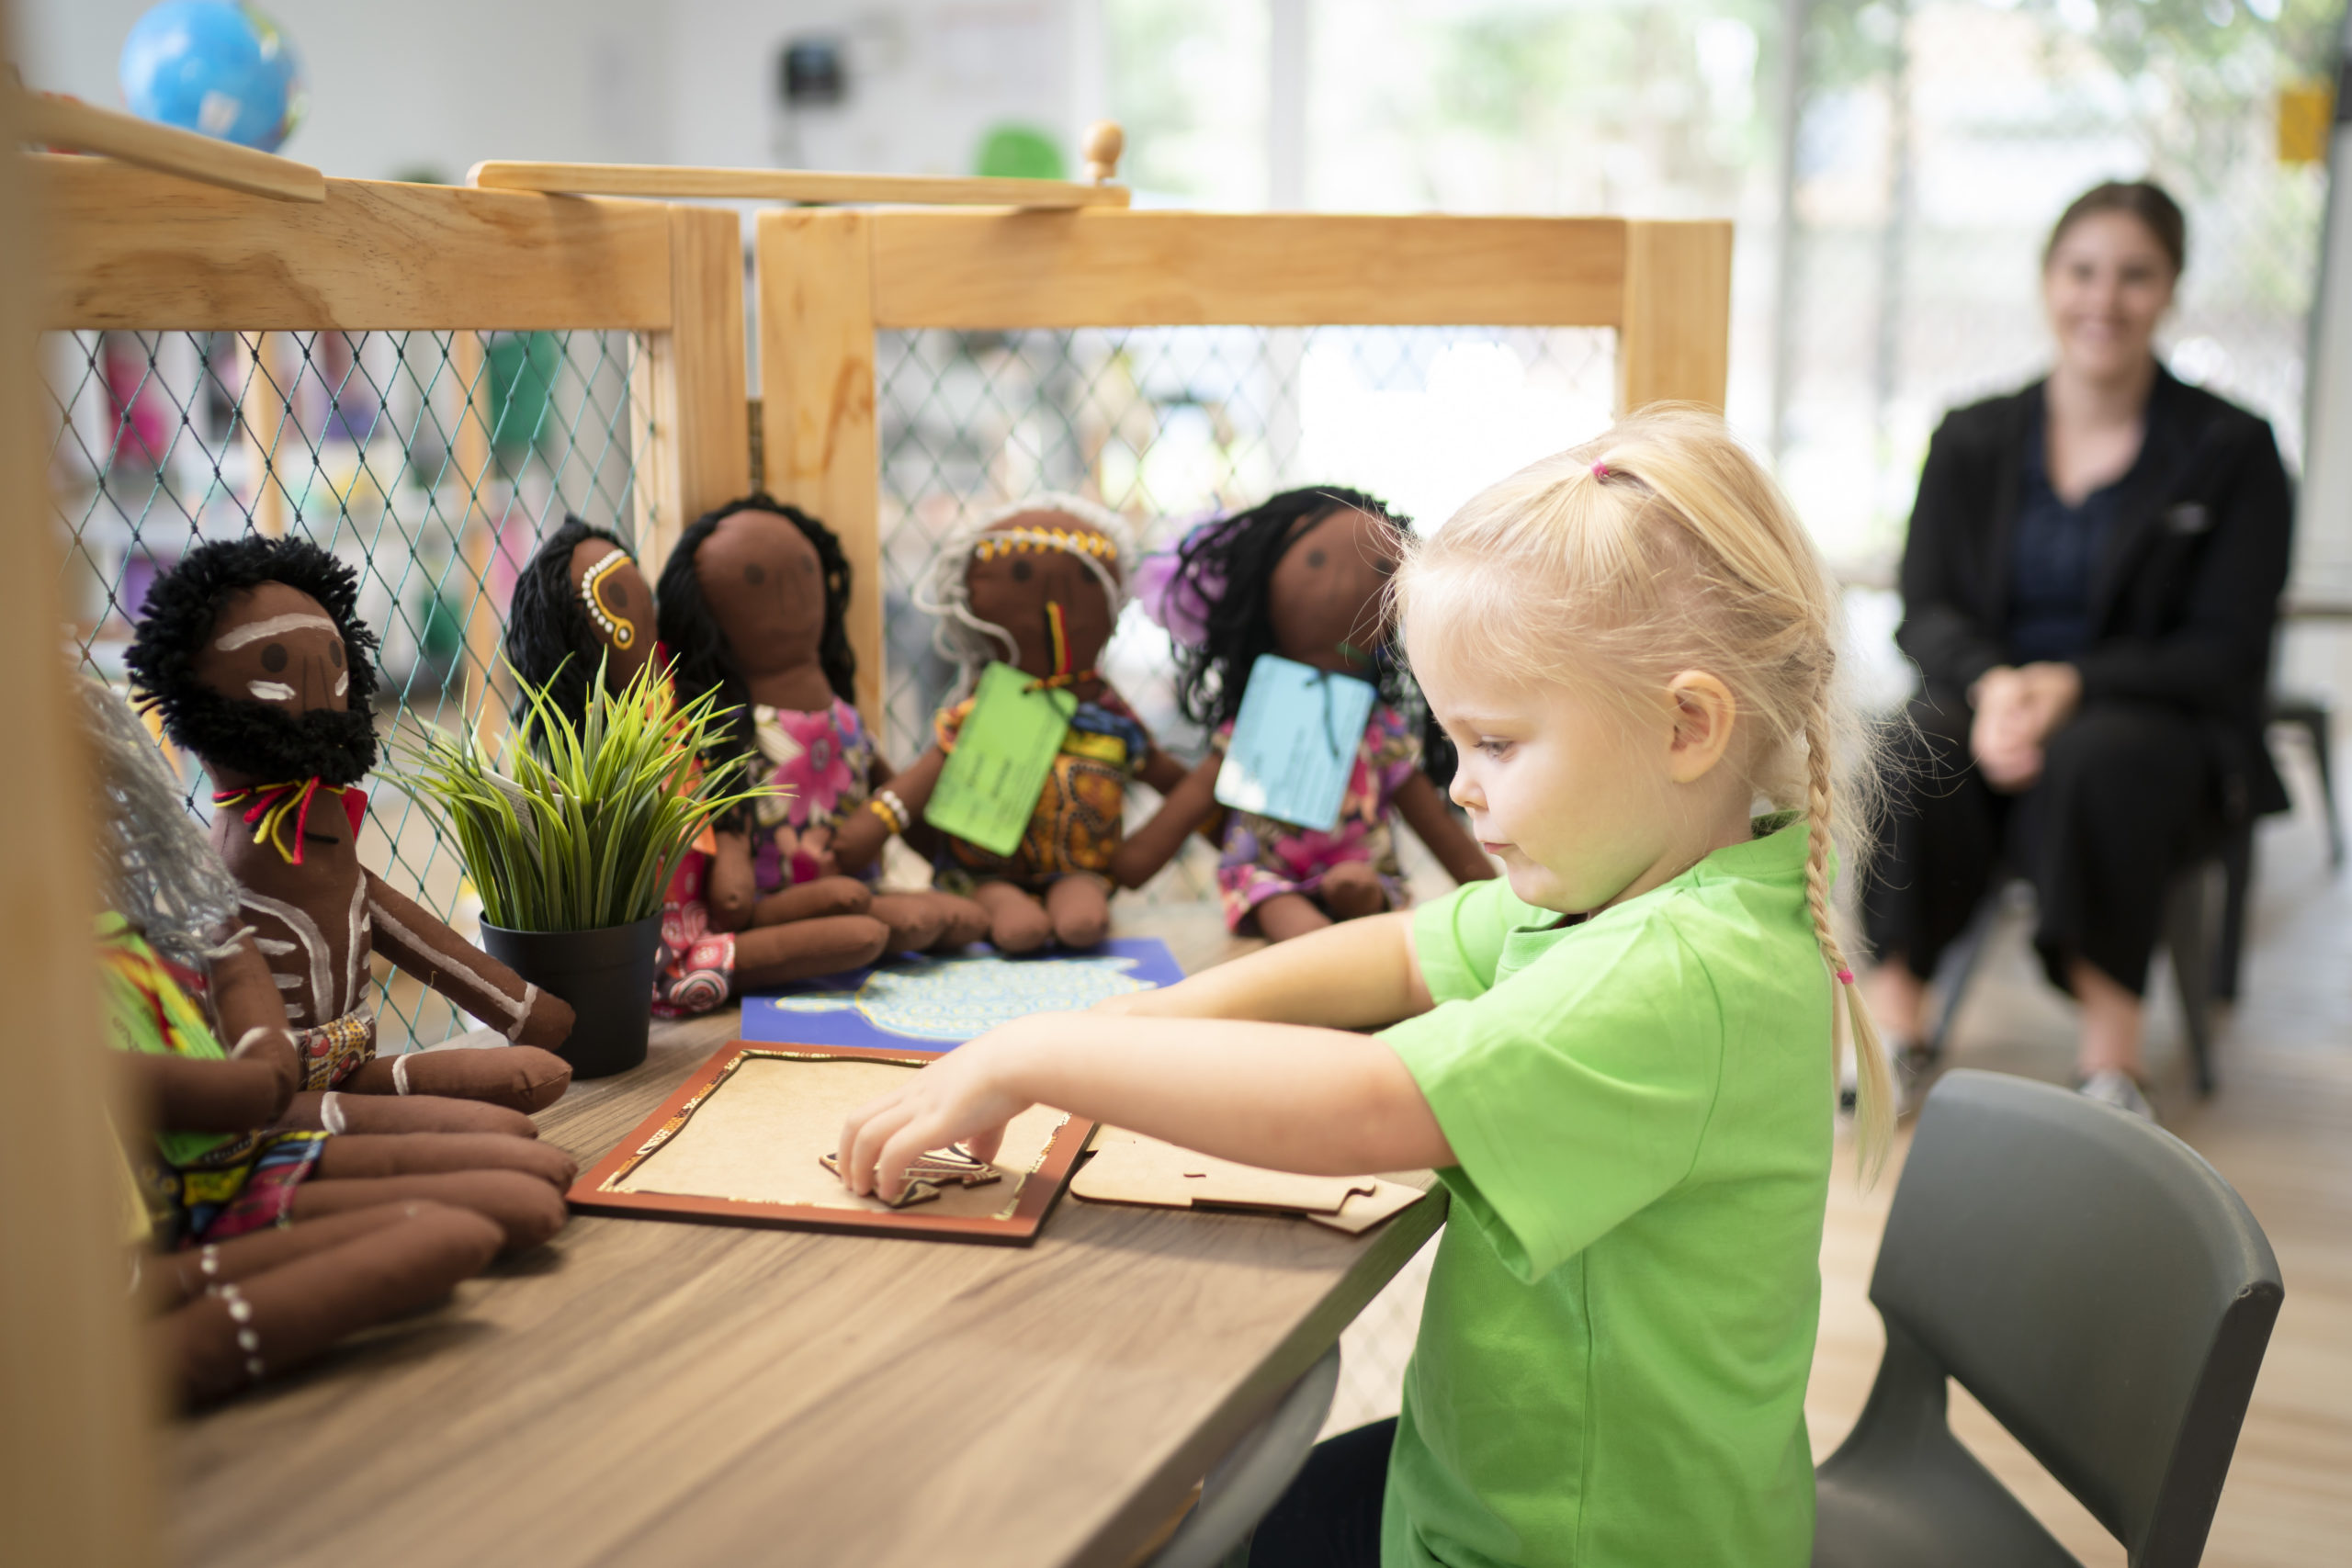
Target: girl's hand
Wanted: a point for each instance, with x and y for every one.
(963, 1098)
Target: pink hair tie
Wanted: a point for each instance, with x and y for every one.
(1600, 470)
(1845, 976)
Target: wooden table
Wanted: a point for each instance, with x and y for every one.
(640, 1391)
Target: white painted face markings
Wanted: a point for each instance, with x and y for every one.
(271, 691)
(276, 625)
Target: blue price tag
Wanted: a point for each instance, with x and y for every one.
(1294, 742)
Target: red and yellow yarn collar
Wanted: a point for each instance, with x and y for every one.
(271, 810)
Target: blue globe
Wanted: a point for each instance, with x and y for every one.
(216, 67)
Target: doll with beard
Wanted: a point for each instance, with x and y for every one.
(212, 1191)
(1302, 575)
(1039, 585)
(753, 603)
(254, 655)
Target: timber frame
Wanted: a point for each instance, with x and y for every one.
(128, 249)
(830, 279)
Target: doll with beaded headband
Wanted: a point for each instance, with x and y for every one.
(1038, 584)
(1304, 576)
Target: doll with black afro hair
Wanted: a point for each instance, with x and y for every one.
(253, 652)
(753, 605)
(1304, 575)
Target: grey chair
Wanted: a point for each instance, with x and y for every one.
(1253, 1477)
(2098, 1288)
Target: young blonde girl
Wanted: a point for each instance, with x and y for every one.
(1619, 1057)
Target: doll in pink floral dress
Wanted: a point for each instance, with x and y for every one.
(1302, 575)
(582, 606)
(753, 601)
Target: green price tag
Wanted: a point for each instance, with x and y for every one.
(989, 790)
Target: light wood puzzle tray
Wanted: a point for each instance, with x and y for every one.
(739, 1142)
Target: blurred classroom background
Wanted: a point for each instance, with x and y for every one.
(1892, 167)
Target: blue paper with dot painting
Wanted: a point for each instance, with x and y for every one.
(1294, 742)
(916, 1003)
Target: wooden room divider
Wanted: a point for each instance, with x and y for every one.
(829, 280)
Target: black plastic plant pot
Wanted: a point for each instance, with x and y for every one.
(606, 976)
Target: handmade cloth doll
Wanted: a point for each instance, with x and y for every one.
(753, 604)
(1039, 585)
(218, 1168)
(1301, 576)
(253, 652)
(230, 1313)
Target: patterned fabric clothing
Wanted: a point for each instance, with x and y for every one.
(148, 1010)
(332, 1051)
(1080, 812)
(694, 968)
(214, 1202)
(823, 761)
(197, 1185)
(1264, 858)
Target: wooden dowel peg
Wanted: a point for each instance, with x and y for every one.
(1104, 143)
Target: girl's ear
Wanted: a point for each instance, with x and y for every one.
(1705, 713)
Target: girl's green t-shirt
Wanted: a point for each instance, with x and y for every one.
(1613, 1358)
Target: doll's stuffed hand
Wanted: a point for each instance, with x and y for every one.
(814, 858)
(963, 1098)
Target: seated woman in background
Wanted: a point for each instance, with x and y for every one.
(2089, 590)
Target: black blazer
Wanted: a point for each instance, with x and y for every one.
(2183, 598)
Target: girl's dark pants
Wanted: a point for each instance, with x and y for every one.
(1331, 1515)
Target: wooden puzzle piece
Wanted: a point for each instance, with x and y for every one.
(1130, 1170)
(930, 1172)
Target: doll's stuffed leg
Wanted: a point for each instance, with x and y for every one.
(1079, 905)
(331, 1112)
(168, 1279)
(1288, 915)
(274, 1319)
(929, 921)
(914, 923)
(423, 1154)
(769, 955)
(1351, 891)
(813, 901)
(521, 1078)
(962, 924)
(1017, 922)
(525, 1210)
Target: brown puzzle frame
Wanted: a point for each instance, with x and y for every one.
(592, 1193)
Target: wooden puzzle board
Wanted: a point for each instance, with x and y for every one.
(738, 1143)
(756, 1139)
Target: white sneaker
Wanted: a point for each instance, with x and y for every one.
(2111, 1085)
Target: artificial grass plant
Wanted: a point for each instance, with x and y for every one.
(581, 826)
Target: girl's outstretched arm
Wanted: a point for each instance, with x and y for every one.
(1356, 974)
(1321, 1101)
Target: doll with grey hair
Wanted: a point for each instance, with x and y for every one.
(1039, 584)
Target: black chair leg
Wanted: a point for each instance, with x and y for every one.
(2237, 884)
(2314, 723)
(1957, 967)
(2187, 936)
